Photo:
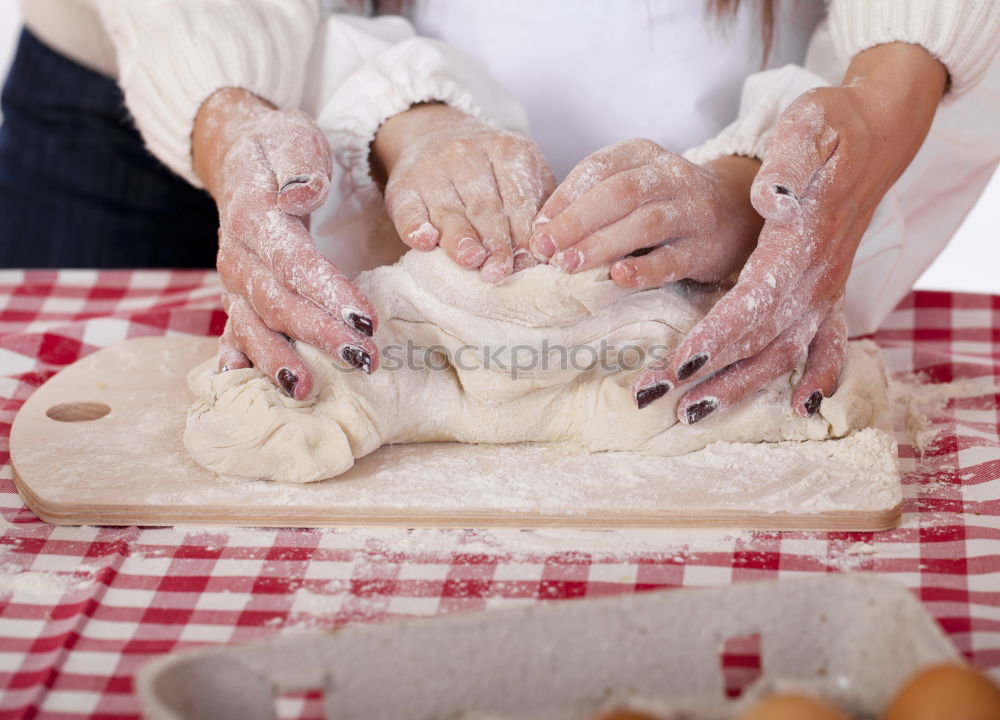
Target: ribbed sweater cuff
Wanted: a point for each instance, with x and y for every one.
(963, 34)
(173, 55)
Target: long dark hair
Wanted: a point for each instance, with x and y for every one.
(726, 9)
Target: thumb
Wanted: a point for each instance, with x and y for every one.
(801, 144)
(299, 155)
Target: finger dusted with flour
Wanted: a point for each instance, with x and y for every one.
(830, 159)
(267, 169)
(658, 217)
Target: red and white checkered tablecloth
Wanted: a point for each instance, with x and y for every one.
(82, 607)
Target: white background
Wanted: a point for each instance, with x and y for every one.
(971, 262)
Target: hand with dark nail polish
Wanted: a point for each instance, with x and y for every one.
(267, 170)
(831, 158)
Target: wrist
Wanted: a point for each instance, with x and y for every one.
(898, 87)
(901, 76)
(218, 124)
(734, 176)
(400, 132)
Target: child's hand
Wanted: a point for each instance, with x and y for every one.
(456, 182)
(267, 170)
(635, 195)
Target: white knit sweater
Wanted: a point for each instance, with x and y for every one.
(170, 55)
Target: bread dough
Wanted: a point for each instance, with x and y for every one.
(242, 425)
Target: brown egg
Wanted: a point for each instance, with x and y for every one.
(625, 714)
(946, 692)
(793, 707)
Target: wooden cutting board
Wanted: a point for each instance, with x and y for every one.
(101, 443)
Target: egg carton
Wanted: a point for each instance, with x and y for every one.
(850, 639)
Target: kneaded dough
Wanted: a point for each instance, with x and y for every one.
(242, 425)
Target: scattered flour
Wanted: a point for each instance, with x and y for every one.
(916, 402)
(39, 586)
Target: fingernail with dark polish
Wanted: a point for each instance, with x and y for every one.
(359, 322)
(288, 380)
(357, 357)
(700, 410)
(812, 404)
(294, 181)
(693, 365)
(652, 392)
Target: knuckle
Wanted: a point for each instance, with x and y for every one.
(483, 203)
(510, 143)
(300, 119)
(462, 147)
(654, 218)
(399, 193)
(643, 146)
(626, 185)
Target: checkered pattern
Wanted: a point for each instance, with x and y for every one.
(82, 608)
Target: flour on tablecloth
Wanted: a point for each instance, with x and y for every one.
(916, 404)
(39, 586)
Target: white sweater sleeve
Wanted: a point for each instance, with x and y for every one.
(963, 34)
(173, 54)
(765, 96)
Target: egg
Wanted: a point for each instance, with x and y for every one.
(625, 714)
(946, 692)
(793, 707)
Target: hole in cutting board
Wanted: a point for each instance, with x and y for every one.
(78, 411)
(299, 705)
(740, 663)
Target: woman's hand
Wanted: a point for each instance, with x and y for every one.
(267, 170)
(831, 158)
(696, 222)
(453, 181)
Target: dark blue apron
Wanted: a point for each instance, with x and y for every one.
(77, 186)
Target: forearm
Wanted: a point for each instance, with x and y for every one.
(736, 175)
(906, 82)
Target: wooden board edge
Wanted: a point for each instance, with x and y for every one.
(220, 516)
